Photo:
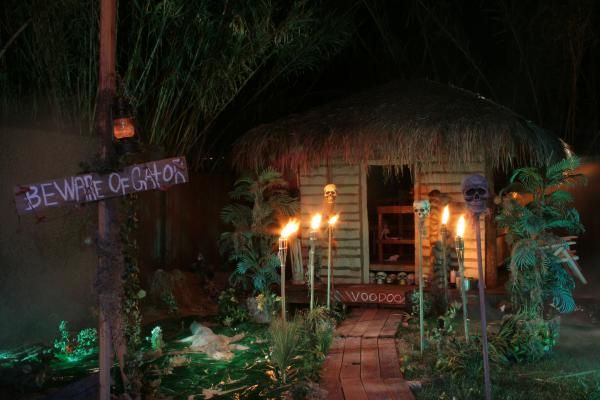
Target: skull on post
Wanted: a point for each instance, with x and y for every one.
(421, 208)
(476, 192)
(330, 193)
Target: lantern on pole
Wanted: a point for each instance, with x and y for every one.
(125, 135)
(286, 232)
(315, 224)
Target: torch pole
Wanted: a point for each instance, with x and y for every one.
(311, 267)
(421, 284)
(481, 286)
(282, 258)
(330, 230)
(444, 234)
(460, 255)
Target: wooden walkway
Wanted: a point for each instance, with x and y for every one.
(363, 363)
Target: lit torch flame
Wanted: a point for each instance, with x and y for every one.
(445, 215)
(315, 223)
(290, 228)
(332, 221)
(460, 227)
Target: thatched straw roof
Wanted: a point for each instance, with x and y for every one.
(400, 123)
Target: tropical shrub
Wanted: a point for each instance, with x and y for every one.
(534, 231)
(286, 340)
(84, 344)
(525, 337)
(260, 202)
(231, 310)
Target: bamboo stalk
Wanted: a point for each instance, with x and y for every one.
(484, 339)
(421, 284)
(460, 255)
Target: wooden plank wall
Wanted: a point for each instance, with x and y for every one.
(448, 179)
(348, 235)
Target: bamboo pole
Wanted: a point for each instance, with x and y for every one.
(444, 235)
(460, 255)
(330, 236)
(421, 284)
(484, 340)
(311, 267)
(283, 246)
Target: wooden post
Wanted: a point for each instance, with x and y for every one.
(106, 209)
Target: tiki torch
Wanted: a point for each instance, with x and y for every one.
(444, 238)
(459, 245)
(331, 224)
(421, 209)
(315, 224)
(289, 229)
(475, 191)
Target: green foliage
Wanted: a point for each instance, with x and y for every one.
(231, 310)
(534, 230)
(414, 301)
(183, 63)
(262, 201)
(87, 342)
(299, 346)
(318, 334)
(63, 343)
(156, 339)
(524, 337)
(161, 289)
(75, 348)
(286, 347)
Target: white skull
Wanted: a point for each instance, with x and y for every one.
(330, 193)
(421, 208)
(475, 191)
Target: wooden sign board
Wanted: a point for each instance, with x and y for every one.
(92, 187)
(371, 294)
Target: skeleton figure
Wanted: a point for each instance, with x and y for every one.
(475, 191)
(330, 193)
(421, 208)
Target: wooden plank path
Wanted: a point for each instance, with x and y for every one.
(363, 363)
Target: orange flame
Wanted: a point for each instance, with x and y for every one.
(460, 227)
(315, 223)
(332, 221)
(291, 228)
(445, 215)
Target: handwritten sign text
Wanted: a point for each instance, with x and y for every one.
(91, 187)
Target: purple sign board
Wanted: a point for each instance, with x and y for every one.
(85, 188)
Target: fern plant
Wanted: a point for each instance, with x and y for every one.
(261, 201)
(534, 230)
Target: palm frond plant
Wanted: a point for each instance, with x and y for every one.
(535, 230)
(286, 338)
(261, 202)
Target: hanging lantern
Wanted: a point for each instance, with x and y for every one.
(124, 129)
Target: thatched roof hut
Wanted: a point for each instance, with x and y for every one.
(440, 133)
(401, 123)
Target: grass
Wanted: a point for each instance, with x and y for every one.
(570, 372)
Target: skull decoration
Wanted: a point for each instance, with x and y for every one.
(422, 208)
(475, 191)
(330, 193)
